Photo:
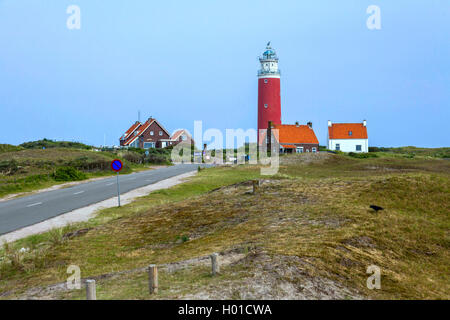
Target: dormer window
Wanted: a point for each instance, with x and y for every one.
(266, 105)
(350, 133)
(266, 81)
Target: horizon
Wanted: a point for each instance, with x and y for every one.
(181, 62)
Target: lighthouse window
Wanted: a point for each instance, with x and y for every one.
(266, 105)
(265, 80)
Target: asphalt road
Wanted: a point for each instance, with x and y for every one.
(22, 212)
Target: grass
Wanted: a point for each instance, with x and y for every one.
(316, 208)
(415, 151)
(31, 169)
(9, 148)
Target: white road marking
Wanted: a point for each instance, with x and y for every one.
(109, 184)
(79, 192)
(34, 204)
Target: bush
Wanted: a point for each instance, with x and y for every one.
(47, 143)
(9, 148)
(362, 155)
(133, 157)
(8, 166)
(68, 174)
(157, 159)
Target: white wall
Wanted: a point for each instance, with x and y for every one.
(349, 145)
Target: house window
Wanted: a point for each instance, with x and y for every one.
(151, 133)
(160, 133)
(338, 147)
(163, 144)
(148, 145)
(314, 149)
(266, 105)
(350, 133)
(358, 147)
(299, 150)
(265, 80)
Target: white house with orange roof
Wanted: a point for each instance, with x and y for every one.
(348, 137)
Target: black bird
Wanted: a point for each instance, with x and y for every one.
(376, 208)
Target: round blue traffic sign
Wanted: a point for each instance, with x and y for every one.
(116, 165)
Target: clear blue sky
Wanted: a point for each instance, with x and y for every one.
(181, 61)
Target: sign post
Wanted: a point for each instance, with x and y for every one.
(117, 165)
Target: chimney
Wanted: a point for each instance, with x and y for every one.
(364, 123)
(329, 123)
(309, 124)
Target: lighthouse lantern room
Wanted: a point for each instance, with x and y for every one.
(269, 99)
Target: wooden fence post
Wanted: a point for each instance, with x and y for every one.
(215, 264)
(153, 278)
(91, 291)
(255, 185)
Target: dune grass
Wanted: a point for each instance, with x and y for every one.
(315, 208)
(32, 169)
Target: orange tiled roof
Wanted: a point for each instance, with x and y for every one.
(342, 131)
(295, 134)
(136, 133)
(136, 125)
(177, 134)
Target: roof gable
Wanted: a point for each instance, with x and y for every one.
(127, 133)
(180, 132)
(140, 129)
(347, 131)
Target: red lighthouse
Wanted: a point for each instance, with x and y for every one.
(269, 99)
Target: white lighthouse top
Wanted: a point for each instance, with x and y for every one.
(269, 63)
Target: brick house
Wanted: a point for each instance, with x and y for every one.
(294, 138)
(150, 134)
(181, 135)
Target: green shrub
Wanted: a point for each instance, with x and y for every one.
(9, 148)
(157, 159)
(8, 166)
(133, 157)
(362, 155)
(68, 174)
(47, 143)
